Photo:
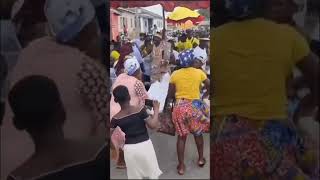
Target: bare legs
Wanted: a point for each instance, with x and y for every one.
(121, 163)
(181, 143)
(199, 143)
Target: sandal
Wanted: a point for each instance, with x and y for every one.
(121, 167)
(181, 171)
(202, 163)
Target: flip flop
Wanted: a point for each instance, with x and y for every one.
(121, 167)
(181, 171)
(201, 164)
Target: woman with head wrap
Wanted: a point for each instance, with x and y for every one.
(71, 57)
(190, 114)
(252, 136)
(131, 78)
(125, 50)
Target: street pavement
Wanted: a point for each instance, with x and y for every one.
(165, 147)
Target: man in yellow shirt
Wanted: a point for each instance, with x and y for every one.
(191, 41)
(181, 44)
(251, 62)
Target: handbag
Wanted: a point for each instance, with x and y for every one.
(166, 124)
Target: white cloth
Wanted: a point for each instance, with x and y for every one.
(141, 161)
(131, 65)
(159, 90)
(176, 54)
(202, 55)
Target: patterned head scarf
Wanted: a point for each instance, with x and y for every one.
(186, 58)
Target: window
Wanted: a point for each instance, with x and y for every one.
(145, 24)
(131, 22)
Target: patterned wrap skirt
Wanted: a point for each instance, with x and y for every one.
(246, 149)
(191, 116)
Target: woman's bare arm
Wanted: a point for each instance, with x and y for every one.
(153, 121)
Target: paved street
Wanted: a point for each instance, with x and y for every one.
(165, 147)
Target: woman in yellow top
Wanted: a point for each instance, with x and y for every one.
(252, 137)
(190, 114)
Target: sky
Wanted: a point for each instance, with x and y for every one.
(156, 9)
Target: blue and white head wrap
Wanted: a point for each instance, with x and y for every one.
(186, 58)
(131, 65)
(67, 18)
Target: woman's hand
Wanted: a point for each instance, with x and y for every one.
(156, 106)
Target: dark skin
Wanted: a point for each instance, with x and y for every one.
(121, 163)
(52, 149)
(32, 27)
(156, 41)
(282, 12)
(309, 66)
(88, 41)
(148, 46)
(127, 109)
(183, 38)
(181, 142)
(204, 44)
(142, 37)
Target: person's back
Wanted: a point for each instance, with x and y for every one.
(187, 82)
(43, 120)
(251, 62)
(73, 152)
(131, 83)
(132, 124)
(60, 63)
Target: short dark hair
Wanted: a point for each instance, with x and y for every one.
(35, 100)
(121, 94)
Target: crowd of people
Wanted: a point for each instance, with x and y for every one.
(55, 87)
(135, 66)
(262, 63)
(265, 74)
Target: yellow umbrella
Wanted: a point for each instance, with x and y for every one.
(180, 13)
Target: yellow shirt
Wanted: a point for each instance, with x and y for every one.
(192, 41)
(184, 46)
(187, 82)
(115, 55)
(251, 62)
